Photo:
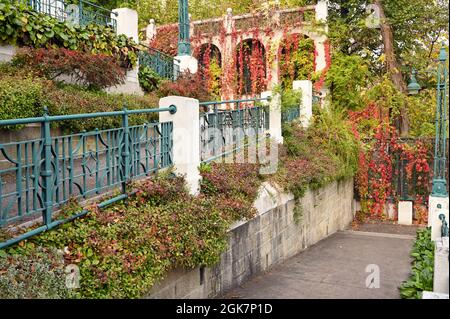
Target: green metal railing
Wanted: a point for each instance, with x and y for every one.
(38, 176)
(290, 114)
(224, 131)
(163, 64)
(79, 12)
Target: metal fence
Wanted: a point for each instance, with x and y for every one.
(163, 64)
(290, 114)
(79, 12)
(228, 126)
(38, 176)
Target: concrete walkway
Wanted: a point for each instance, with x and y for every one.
(336, 268)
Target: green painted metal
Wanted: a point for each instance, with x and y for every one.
(290, 114)
(80, 12)
(38, 176)
(162, 64)
(440, 173)
(184, 42)
(224, 131)
(444, 227)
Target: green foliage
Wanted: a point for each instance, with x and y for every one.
(386, 97)
(96, 71)
(188, 85)
(149, 80)
(24, 27)
(26, 95)
(316, 156)
(346, 78)
(35, 274)
(20, 97)
(422, 113)
(290, 98)
(297, 60)
(421, 278)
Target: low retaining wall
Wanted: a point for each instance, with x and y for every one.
(268, 239)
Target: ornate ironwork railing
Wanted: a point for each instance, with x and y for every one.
(225, 131)
(79, 12)
(163, 64)
(38, 176)
(290, 114)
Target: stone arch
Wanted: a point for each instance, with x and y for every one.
(210, 67)
(251, 67)
(207, 52)
(296, 58)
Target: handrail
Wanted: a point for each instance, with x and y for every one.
(235, 101)
(47, 118)
(98, 7)
(168, 56)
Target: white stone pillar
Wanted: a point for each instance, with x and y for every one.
(441, 270)
(274, 116)
(405, 212)
(437, 206)
(186, 138)
(305, 86)
(187, 63)
(127, 22)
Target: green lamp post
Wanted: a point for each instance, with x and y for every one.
(439, 178)
(184, 44)
(439, 188)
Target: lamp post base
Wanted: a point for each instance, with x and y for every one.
(187, 63)
(436, 207)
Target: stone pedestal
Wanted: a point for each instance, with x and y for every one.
(441, 270)
(187, 63)
(437, 206)
(433, 295)
(405, 212)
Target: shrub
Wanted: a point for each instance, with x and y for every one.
(26, 95)
(189, 85)
(421, 278)
(20, 97)
(149, 80)
(96, 71)
(24, 27)
(38, 274)
(69, 99)
(121, 251)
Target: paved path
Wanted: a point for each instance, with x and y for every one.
(336, 268)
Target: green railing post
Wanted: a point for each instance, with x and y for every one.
(125, 150)
(46, 172)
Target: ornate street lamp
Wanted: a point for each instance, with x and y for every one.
(439, 177)
(184, 43)
(413, 87)
(438, 202)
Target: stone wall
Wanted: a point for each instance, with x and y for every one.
(6, 52)
(268, 239)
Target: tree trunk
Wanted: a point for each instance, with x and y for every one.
(392, 65)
